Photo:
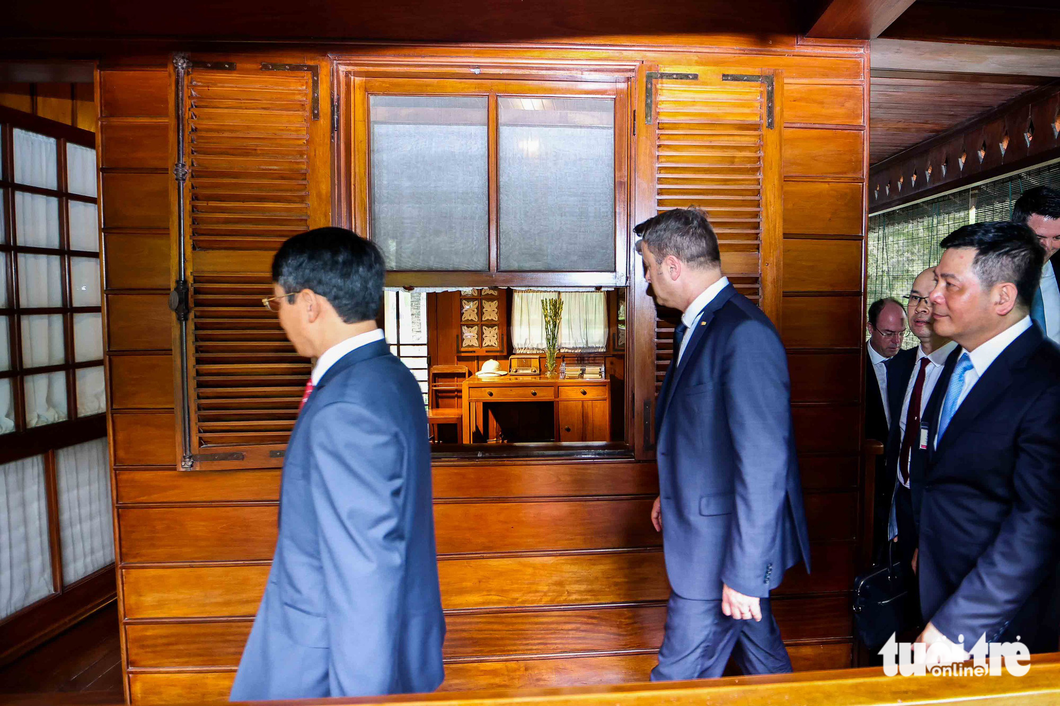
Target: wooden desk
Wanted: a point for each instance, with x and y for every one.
(582, 407)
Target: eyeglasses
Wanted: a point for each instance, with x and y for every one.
(889, 334)
(916, 300)
(273, 303)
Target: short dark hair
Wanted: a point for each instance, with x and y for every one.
(1040, 200)
(685, 233)
(876, 308)
(337, 264)
(1005, 252)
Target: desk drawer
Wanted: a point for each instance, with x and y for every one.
(485, 394)
(583, 392)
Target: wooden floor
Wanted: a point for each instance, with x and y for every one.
(79, 666)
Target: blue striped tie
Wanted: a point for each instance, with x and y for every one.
(953, 394)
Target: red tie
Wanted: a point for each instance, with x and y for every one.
(912, 421)
(308, 392)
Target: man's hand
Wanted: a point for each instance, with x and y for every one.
(740, 607)
(656, 514)
(941, 650)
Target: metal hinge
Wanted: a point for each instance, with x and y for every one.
(314, 71)
(335, 115)
(757, 78)
(179, 302)
(231, 456)
(634, 122)
(647, 425)
(649, 89)
(212, 65)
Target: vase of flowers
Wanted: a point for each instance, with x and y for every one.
(552, 312)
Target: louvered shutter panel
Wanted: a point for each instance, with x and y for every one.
(712, 135)
(257, 164)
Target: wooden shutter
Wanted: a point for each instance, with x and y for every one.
(717, 148)
(256, 148)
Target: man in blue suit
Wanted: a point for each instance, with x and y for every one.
(352, 606)
(990, 515)
(730, 504)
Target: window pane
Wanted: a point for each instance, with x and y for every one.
(85, 529)
(36, 159)
(3, 213)
(88, 337)
(40, 281)
(36, 220)
(557, 184)
(81, 169)
(3, 281)
(42, 341)
(91, 393)
(84, 274)
(5, 342)
(84, 226)
(429, 181)
(45, 399)
(412, 317)
(25, 562)
(7, 406)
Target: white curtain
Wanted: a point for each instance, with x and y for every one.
(43, 344)
(85, 527)
(91, 393)
(7, 407)
(84, 226)
(25, 559)
(37, 220)
(35, 159)
(582, 329)
(81, 169)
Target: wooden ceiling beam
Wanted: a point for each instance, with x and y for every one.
(954, 77)
(1026, 23)
(854, 19)
(910, 55)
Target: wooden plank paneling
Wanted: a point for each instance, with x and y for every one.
(825, 377)
(824, 153)
(824, 104)
(180, 688)
(194, 592)
(823, 208)
(136, 200)
(822, 265)
(822, 322)
(200, 644)
(626, 577)
(134, 94)
(135, 145)
(85, 110)
(141, 381)
(826, 428)
(137, 322)
(201, 486)
(17, 95)
(224, 533)
(834, 568)
(831, 517)
(55, 101)
(531, 673)
(827, 472)
(533, 526)
(137, 260)
(144, 439)
(518, 480)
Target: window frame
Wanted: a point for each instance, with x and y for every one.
(355, 83)
(25, 441)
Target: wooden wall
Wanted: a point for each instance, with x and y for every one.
(67, 103)
(551, 573)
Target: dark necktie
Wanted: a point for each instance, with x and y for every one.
(679, 335)
(912, 421)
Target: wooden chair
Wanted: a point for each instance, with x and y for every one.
(445, 398)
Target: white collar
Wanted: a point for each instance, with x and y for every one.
(875, 357)
(688, 318)
(1047, 270)
(336, 352)
(937, 356)
(988, 352)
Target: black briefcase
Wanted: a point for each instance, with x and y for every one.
(883, 601)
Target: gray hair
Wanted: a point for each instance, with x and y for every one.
(685, 233)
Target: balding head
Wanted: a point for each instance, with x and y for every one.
(886, 326)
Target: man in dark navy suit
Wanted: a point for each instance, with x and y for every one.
(352, 606)
(730, 504)
(990, 517)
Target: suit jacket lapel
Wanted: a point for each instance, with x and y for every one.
(696, 337)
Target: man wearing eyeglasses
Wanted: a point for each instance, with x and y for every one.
(886, 329)
(352, 605)
(914, 373)
(1039, 209)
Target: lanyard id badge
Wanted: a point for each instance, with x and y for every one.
(923, 437)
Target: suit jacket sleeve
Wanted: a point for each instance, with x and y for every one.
(357, 486)
(757, 403)
(1025, 550)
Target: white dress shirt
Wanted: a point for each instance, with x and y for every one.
(878, 366)
(1051, 301)
(936, 361)
(336, 352)
(692, 314)
(983, 356)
